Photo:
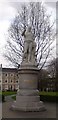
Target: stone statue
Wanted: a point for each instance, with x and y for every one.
(29, 46)
(27, 98)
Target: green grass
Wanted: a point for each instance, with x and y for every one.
(46, 96)
(48, 93)
(6, 93)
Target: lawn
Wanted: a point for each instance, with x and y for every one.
(46, 96)
(6, 93)
(48, 93)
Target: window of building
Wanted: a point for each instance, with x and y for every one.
(16, 81)
(0, 80)
(6, 87)
(11, 80)
(6, 74)
(17, 75)
(5, 80)
(17, 87)
(12, 74)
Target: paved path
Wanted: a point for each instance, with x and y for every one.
(8, 113)
(0, 110)
(9, 98)
(49, 113)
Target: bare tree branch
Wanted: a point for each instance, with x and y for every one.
(33, 14)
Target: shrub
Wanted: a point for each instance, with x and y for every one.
(49, 98)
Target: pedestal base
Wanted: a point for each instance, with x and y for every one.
(28, 98)
(28, 103)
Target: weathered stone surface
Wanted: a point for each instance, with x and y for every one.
(28, 98)
(28, 92)
(28, 103)
(28, 78)
(29, 48)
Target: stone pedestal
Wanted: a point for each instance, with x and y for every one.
(27, 98)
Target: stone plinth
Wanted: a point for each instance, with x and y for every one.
(28, 78)
(28, 103)
(27, 98)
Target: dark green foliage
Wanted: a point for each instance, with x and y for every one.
(14, 97)
(3, 98)
(46, 96)
(49, 96)
(6, 93)
(0, 97)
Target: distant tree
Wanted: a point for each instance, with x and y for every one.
(33, 14)
(57, 74)
(52, 67)
(42, 79)
(53, 71)
(43, 74)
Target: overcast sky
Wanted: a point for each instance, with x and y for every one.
(8, 10)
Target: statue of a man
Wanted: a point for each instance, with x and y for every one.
(28, 44)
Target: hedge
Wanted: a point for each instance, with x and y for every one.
(2, 98)
(46, 96)
(7, 93)
(49, 98)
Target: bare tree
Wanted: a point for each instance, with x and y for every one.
(33, 14)
(52, 67)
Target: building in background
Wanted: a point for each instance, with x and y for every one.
(8, 79)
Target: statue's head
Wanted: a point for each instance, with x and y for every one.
(29, 33)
